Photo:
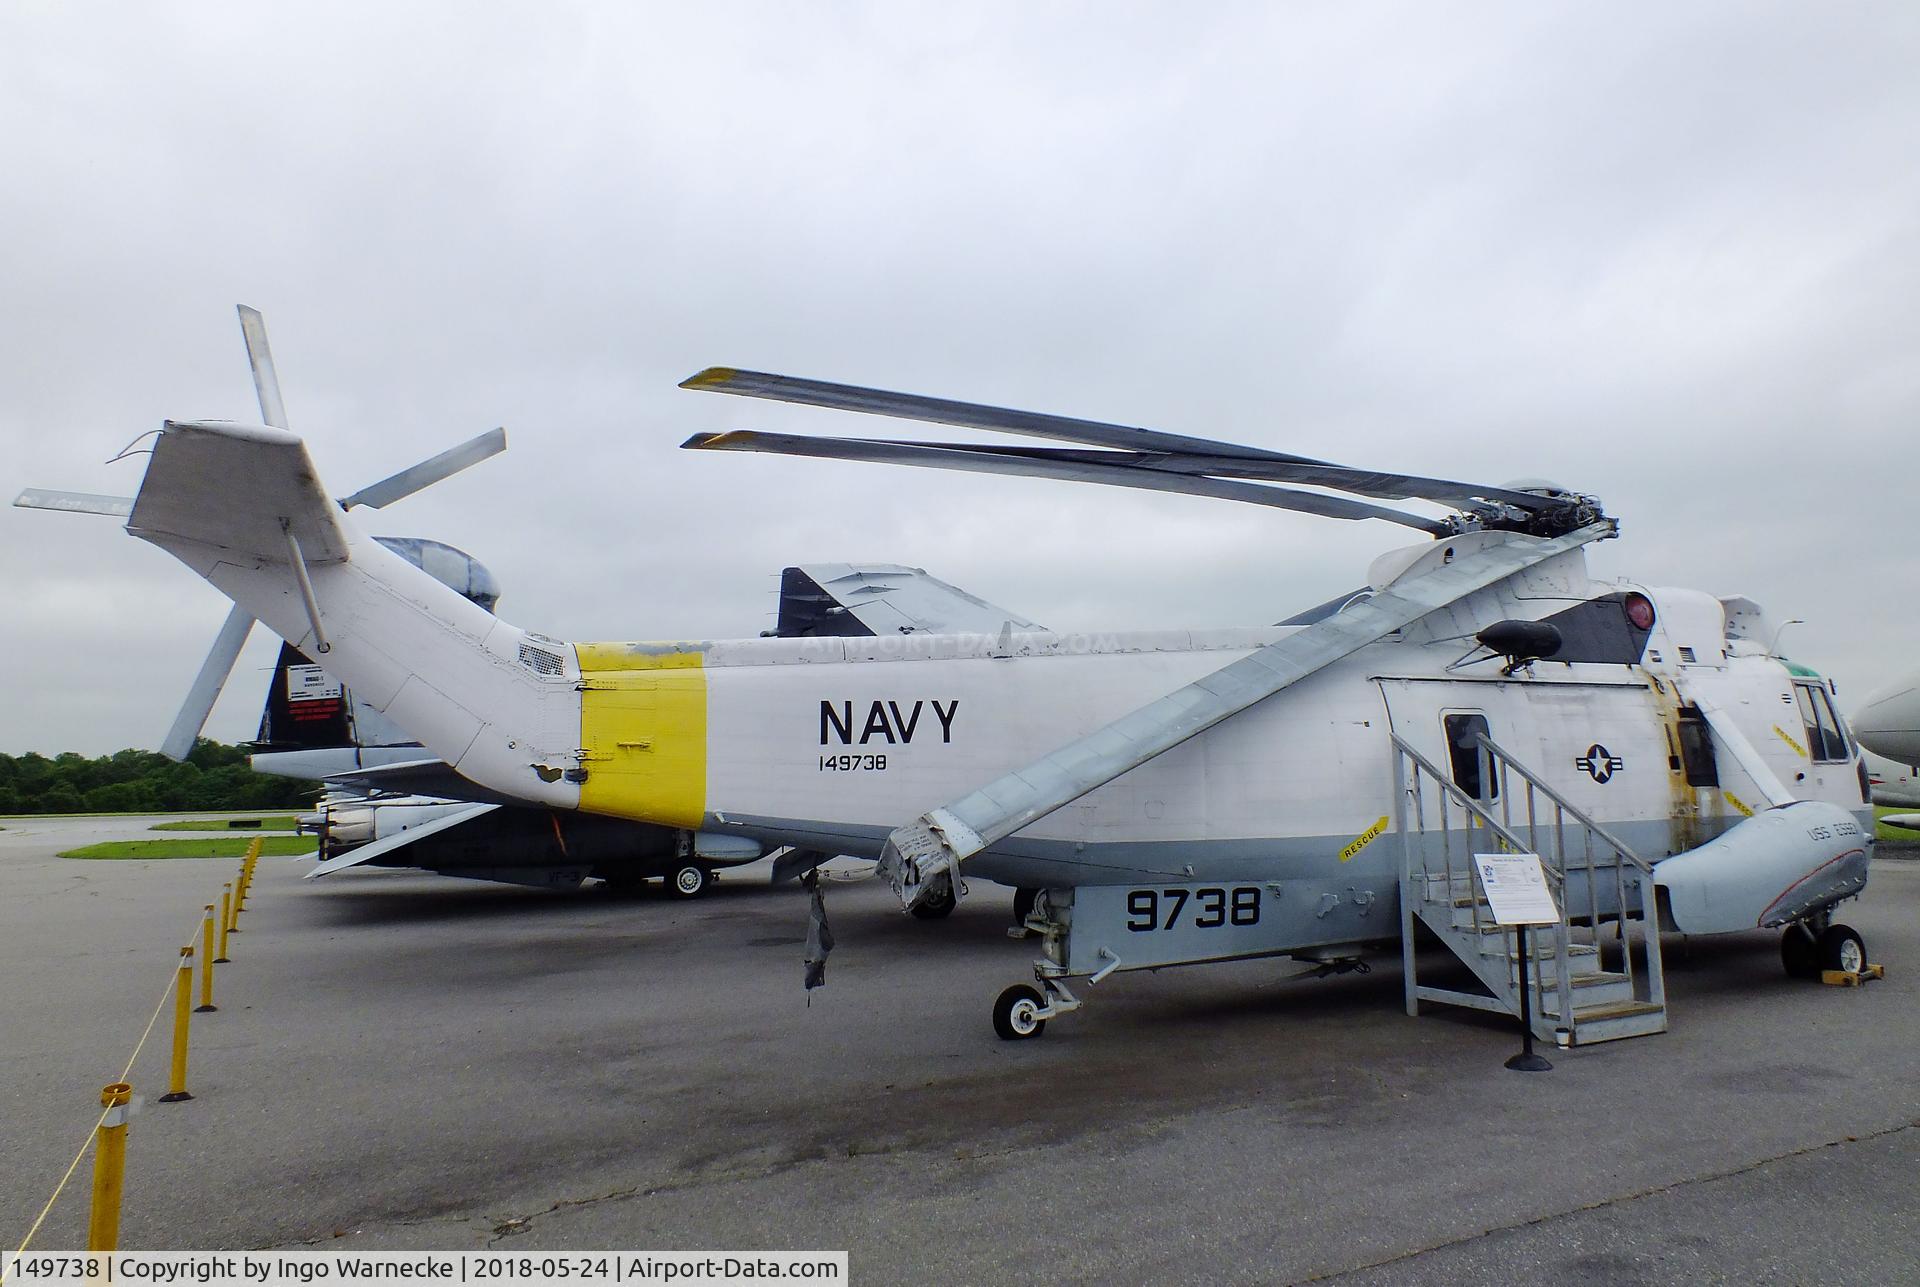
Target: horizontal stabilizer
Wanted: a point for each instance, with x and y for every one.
(242, 488)
(381, 848)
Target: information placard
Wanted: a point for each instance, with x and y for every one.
(1516, 889)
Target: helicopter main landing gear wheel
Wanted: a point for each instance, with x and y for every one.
(1018, 1013)
(1023, 901)
(1800, 952)
(1840, 947)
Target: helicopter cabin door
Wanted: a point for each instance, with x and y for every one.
(1609, 747)
(1443, 721)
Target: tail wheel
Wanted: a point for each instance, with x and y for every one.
(1841, 948)
(690, 880)
(1016, 1015)
(1800, 953)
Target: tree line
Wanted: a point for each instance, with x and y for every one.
(214, 777)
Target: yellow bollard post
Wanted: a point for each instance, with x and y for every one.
(109, 1168)
(246, 881)
(182, 1009)
(226, 921)
(206, 962)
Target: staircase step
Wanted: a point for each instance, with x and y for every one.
(1612, 1023)
(1579, 955)
(1592, 994)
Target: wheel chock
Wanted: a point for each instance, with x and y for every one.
(1851, 978)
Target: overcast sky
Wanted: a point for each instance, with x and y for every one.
(1667, 254)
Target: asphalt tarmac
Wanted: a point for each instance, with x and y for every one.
(403, 1061)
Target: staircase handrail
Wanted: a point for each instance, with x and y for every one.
(1473, 806)
(1574, 811)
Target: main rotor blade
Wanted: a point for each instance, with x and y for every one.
(923, 849)
(971, 415)
(207, 685)
(428, 472)
(1207, 455)
(266, 381)
(1361, 482)
(985, 460)
(75, 502)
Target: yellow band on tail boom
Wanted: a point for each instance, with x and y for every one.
(643, 725)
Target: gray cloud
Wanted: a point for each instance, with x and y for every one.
(1666, 256)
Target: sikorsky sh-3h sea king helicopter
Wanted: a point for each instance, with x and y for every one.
(1312, 789)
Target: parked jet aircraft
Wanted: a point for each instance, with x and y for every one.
(1210, 794)
(1888, 723)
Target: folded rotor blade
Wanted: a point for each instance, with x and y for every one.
(1085, 468)
(1361, 482)
(266, 381)
(428, 472)
(920, 851)
(207, 685)
(1178, 452)
(75, 502)
(971, 415)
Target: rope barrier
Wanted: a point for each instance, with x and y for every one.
(105, 1112)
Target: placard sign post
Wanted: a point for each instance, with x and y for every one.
(1517, 893)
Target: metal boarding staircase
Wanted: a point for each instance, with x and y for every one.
(1591, 979)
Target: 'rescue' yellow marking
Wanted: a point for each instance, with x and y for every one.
(1364, 839)
(643, 725)
(1737, 803)
(1788, 738)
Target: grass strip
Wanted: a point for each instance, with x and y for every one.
(202, 847)
(266, 821)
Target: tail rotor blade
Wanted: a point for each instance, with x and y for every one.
(266, 381)
(428, 472)
(75, 502)
(207, 685)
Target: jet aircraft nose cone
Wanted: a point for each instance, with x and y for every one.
(1888, 722)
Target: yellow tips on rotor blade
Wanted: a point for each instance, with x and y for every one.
(711, 378)
(713, 441)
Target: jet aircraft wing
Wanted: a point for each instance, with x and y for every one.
(381, 848)
(847, 599)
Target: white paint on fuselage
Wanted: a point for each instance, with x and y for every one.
(1895, 785)
(1310, 765)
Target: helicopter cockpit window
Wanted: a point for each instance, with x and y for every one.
(1696, 749)
(1825, 742)
(1465, 758)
